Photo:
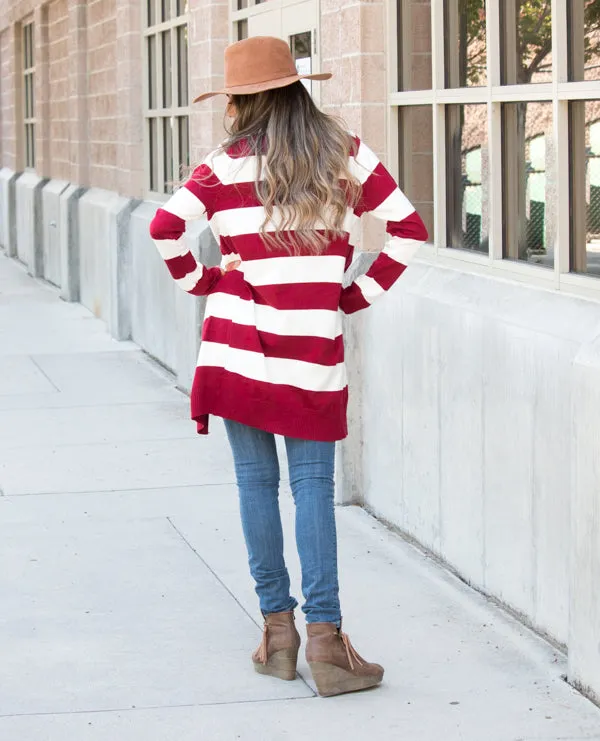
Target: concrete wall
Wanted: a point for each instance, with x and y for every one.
(28, 203)
(51, 236)
(8, 211)
(472, 389)
(105, 258)
(165, 320)
(584, 635)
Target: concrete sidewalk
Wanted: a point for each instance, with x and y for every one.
(126, 609)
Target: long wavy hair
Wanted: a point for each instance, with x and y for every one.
(303, 176)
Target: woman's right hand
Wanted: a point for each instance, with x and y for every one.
(233, 265)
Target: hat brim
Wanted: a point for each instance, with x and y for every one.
(260, 87)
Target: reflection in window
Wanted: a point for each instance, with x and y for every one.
(465, 21)
(301, 46)
(242, 29)
(414, 39)
(527, 41)
(529, 192)
(416, 159)
(584, 40)
(585, 186)
(468, 168)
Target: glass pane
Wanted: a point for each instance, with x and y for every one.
(301, 46)
(182, 7)
(165, 10)
(184, 141)
(414, 44)
(468, 177)
(167, 143)
(152, 72)
(29, 145)
(529, 192)
(32, 96)
(242, 30)
(416, 159)
(153, 152)
(585, 187)
(241, 4)
(182, 66)
(151, 11)
(465, 21)
(27, 100)
(167, 72)
(584, 40)
(527, 41)
(31, 46)
(28, 46)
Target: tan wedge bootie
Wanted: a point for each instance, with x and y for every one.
(277, 654)
(335, 664)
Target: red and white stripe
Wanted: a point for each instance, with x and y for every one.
(272, 351)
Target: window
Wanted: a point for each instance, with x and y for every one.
(498, 120)
(167, 93)
(585, 186)
(28, 48)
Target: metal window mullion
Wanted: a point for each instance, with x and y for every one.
(563, 188)
(495, 176)
(560, 42)
(439, 175)
(493, 41)
(437, 46)
(160, 104)
(439, 126)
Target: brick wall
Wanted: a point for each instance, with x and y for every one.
(208, 39)
(8, 145)
(58, 61)
(102, 92)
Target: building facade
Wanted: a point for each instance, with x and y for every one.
(475, 385)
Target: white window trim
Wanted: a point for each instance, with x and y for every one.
(28, 72)
(559, 92)
(159, 112)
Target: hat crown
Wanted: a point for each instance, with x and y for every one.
(256, 60)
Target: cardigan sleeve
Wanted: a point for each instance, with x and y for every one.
(167, 229)
(382, 198)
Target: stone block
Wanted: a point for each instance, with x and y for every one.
(51, 225)
(69, 242)
(166, 321)
(105, 258)
(29, 235)
(8, 211)
(584, 633)
(467, 400)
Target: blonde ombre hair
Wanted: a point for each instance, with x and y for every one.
(303, 177)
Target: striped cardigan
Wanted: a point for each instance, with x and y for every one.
(272, 352)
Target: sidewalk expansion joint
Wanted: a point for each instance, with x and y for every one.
(225, 587)
(137, 708)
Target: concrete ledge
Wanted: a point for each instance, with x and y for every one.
(51, 230)
(166, 321)
(466, 387)
(584, 633)
(8, 211)
(69, 242)
(29, 237)
(105, 258)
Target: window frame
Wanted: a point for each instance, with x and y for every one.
(28, 103)
(161, 113)
(559, 92)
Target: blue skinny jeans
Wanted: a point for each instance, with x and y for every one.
(311, 469)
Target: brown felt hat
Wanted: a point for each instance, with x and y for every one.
(257, 64)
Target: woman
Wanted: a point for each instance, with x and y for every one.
(282, 196)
